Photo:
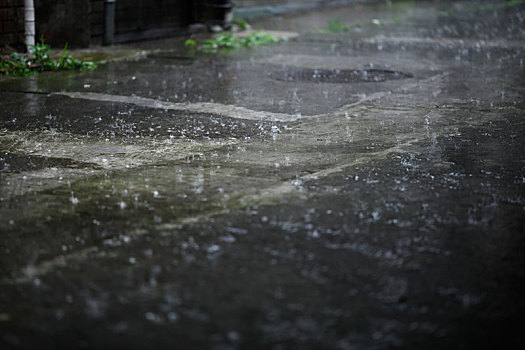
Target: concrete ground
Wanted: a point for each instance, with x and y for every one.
(361, 189)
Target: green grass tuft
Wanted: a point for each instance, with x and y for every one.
(39, 60)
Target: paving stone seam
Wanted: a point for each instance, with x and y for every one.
(260, 196)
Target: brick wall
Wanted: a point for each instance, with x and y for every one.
(80, 23)
(96, 20)
(252, 3)
(63, 21)
(12, 23)
(253, 9)
(141, 19)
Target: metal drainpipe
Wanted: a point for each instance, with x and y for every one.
(109, 22)
(29, 19)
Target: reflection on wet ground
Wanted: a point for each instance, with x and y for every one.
(352, 190)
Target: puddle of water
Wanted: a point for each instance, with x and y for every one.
(12, 162)
(204, 107)
(339, 76)
(103, 153)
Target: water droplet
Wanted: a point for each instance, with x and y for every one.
(74, 200)
(213, 249)
(233, 336)
(172, 316)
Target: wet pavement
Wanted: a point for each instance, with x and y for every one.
(354, 190)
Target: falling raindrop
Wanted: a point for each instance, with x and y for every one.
(73, 199)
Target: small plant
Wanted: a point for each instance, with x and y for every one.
(15, 65)
(39, 60)
(66, 62)
(224, 42)
(335, 26)
(190, 43)
(257, 39)
(242, 24)
(229, 41)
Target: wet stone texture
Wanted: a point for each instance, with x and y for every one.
(337, 76)
(355, 189)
